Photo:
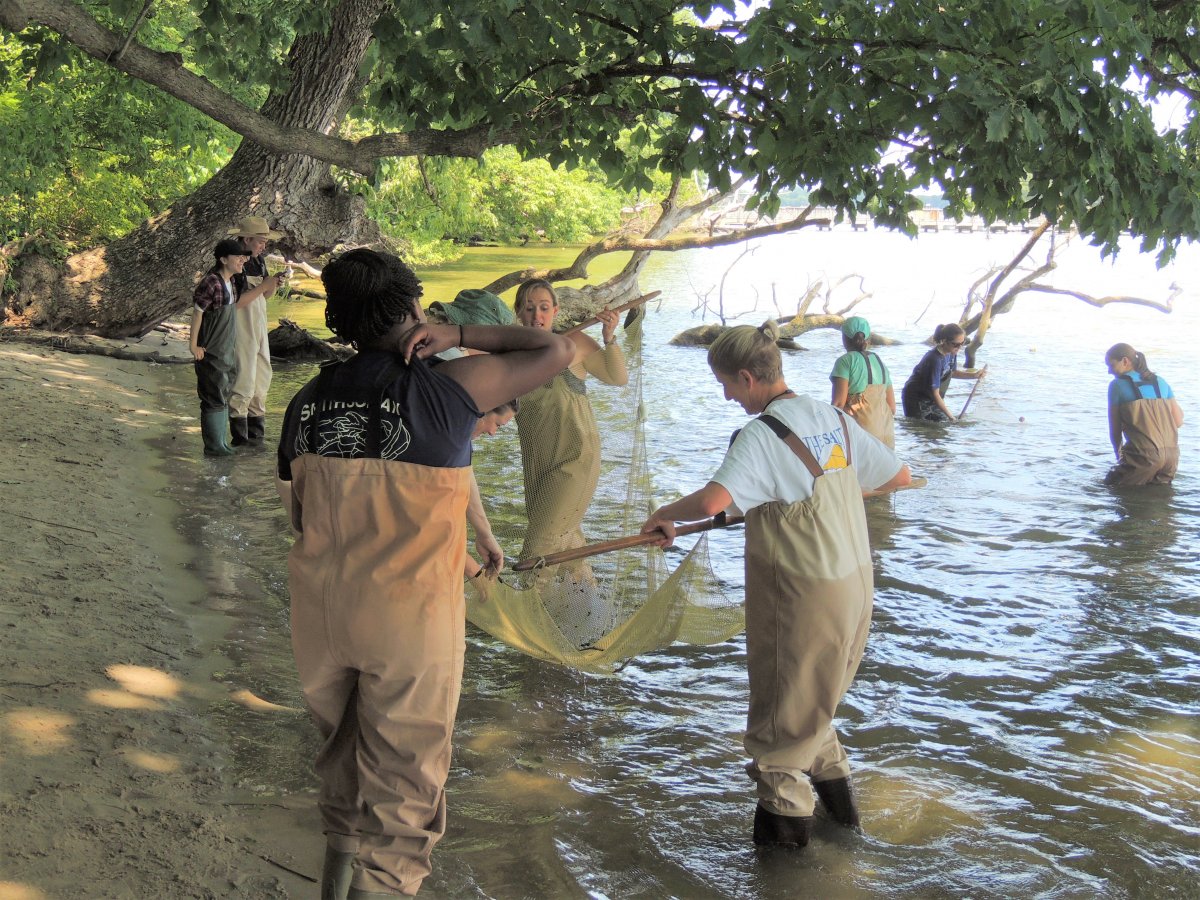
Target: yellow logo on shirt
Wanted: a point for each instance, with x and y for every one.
(837, 458)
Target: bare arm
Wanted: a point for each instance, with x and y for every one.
(903, 478)
(941, 404)
(608, 365)
(485, 542)
(702, 504)
(841, 391)
(891, 399)
(517, 359)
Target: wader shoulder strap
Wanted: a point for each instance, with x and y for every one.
(1138, 385)
(794, 443)
(867, 359)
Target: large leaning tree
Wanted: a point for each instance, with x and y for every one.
(1014, 108)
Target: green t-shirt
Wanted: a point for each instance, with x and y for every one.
(853, 367)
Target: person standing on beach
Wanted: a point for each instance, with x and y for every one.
(1144, 419)
(213, 339)
(797, 472)
(248, 401)
(374, 468)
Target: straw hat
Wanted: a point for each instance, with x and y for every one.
(254, 226)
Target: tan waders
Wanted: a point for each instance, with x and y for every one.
(248, 402)
(809, 587)
(560, 455)
(378, 633)
(1150, 454)
(870, 407)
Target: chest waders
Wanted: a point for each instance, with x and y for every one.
(560, 460)
(870, 408)
(1150, 452)
(378, 625)
(215, 374)
(809, 588)
(248, 398)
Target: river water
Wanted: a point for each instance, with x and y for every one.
(1025, 719)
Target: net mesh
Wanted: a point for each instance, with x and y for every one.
(581, 461)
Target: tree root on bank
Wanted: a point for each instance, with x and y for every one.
(156, 346)
(289, 341)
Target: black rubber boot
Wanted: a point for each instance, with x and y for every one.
(214, 424)
(838, 797)
(237, 425)
(256, 430)
(336, 874)
(771, 830)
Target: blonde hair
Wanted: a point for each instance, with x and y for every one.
(528, 287)
(749, 348)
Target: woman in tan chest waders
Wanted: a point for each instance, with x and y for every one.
(1144, 419)
(862, 384)
(797, 473)
(560, 444)
(374, 468)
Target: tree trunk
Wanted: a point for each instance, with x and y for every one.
(128, 286)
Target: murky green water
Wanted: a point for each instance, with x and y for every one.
(1025, 720)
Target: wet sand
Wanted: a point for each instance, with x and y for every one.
(113, 779)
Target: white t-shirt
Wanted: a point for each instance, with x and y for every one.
(760, 468)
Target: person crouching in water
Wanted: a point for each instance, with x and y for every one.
(797, 472)
(214, 336)
(1143, 421)
(374, 467)
(924, 394)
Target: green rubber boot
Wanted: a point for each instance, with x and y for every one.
(336, 874)
(214, 426)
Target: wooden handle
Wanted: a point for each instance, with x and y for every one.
(974, 388)
(587, 323)
(622, 543)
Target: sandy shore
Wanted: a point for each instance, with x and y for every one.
(111, 751)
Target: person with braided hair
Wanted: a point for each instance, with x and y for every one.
(374, 469)
(797, 472)
(1144, 419)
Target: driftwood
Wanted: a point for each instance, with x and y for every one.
(704, 335)
(153, 347)
(289, 341)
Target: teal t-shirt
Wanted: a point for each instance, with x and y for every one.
(1126, 390)
(853, 367)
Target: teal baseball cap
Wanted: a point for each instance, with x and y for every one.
(854, 325)
(475, 307)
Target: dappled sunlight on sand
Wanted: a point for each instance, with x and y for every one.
(121, 700)
(12, 890)
(38, 732)
(146, 682)
(488, 740)
(158, 763)
(532, 790)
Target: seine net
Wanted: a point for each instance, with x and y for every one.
(575, 472)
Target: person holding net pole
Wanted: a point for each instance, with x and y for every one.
(374, 470)
(560, 443)
(797, 472)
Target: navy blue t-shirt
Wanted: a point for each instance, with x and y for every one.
(425, 417)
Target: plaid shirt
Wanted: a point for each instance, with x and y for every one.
(210, 293)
